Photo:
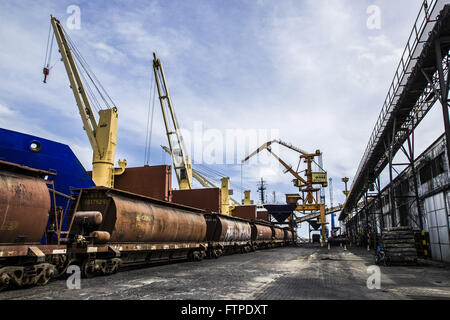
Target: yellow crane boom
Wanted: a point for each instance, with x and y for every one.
(182, 163)
(102, 134)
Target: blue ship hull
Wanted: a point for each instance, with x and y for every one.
(40, 153)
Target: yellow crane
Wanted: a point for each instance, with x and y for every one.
(305, 184)
(102, 134)
(182, 163)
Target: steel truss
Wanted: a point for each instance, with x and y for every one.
(421, 79)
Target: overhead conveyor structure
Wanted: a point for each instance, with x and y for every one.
(421, 79)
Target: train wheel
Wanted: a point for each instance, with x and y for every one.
(88, 269)
(46, 275)
(4, 281)
(115, 268)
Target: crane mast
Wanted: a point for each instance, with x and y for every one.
(310, 202)
(102, 134)
(182, 163)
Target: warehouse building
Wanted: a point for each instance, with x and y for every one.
(421, 195)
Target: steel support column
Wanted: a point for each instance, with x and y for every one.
(380, 203)
(391, 179)
(411, 159)
(444, 87)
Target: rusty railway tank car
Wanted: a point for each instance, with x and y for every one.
(107, 228)
(25, 206)
(261, 234)
(277, 236)
(227, 234)
(288, 236)
(112, 228)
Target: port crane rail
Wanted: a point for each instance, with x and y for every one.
(102, 134)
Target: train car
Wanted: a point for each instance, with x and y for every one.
(288, 236)
(277, 236)
(226, 234)
(110, 228)
(262, 234)
(25, 208)
(106, 228)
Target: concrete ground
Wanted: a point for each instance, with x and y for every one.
(294, 273)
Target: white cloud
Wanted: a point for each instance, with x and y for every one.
(4, 110)
(109, 53)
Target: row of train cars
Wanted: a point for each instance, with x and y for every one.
(102, 230)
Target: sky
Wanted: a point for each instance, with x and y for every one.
(311, 73)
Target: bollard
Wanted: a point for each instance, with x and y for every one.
(345, 247)
(329, 246)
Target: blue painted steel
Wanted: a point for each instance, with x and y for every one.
(47, 155)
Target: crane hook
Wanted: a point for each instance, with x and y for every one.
(46, 73)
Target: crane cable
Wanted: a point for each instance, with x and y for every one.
(150, 116)
(48, 54)
(90, 74)
(85, 72)
(80, 61)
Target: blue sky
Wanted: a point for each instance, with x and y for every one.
(312, 70)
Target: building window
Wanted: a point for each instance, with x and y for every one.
(425, 173)
(438, 165)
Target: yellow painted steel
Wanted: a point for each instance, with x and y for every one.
(247, 200)
(309, 193)
(319, 177)
(225, 194)
(103, 171)
(102, 135)
(182, 163)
